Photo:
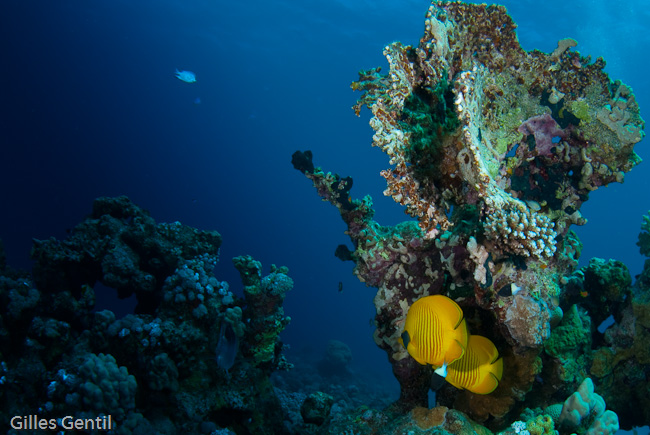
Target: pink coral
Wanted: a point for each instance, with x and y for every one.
(545, 130)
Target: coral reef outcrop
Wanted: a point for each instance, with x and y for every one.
(493, 150)
(156, 370)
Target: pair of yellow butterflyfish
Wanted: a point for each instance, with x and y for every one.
(435, 333)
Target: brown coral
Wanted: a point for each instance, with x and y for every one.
(427, 418)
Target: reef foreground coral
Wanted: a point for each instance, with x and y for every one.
(158, 370)
(493, 150)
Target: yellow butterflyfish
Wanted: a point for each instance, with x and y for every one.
(435, 332)
(479, 370)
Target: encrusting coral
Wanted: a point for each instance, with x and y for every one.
(493, 149)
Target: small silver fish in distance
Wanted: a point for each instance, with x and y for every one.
(186, 76)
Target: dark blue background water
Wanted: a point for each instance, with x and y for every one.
(91, 107)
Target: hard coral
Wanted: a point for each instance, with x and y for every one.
(427, 418)
(440, 114)
(487, 155)
(569, 345)
(263, 311)
(113, 247)
(621, 364)
(528, 321)
(584, 411)
(644, 236)
(541, 425)
(521, 233)
(74, 360)
(316, 408)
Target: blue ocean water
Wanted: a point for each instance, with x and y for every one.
(91, 107)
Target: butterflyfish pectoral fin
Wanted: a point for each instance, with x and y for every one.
(458, 350)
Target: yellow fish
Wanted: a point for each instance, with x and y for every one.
(435, 332)
(479, 370)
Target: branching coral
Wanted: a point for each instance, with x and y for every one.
(521, 233)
